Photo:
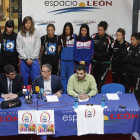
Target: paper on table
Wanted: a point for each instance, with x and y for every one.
(52, 98)
(83, 100)
(113, 96)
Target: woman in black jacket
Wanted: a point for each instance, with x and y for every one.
(102, 54)
(117, 58)
(131, 59)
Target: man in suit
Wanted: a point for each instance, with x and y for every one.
(49, 82)
(10, 83)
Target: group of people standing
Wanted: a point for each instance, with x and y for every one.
(69, 50)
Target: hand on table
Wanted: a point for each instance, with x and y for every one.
(83, 96)
(58, 93)
(10, 96)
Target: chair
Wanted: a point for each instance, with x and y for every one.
(113, 88)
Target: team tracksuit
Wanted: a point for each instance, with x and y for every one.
(83, 51)
(117, 61)
(28, 48)
(101, 58)
(132, 69)
(67, 60)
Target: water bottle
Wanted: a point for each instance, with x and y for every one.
(76, 103)
(103, 101)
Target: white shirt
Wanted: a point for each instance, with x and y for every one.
(68, 37)
(47, 86)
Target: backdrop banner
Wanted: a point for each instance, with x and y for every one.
(118, 14)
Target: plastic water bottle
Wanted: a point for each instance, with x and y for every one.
(76, 103)
(103, 101)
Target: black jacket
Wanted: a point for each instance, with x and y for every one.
(102, 47)
(117, 55)
(132, 60)
(16, 84)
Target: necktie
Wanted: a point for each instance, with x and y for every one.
(10, 86)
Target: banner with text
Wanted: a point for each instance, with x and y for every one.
(118, 14)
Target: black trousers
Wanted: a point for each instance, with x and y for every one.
(132, 80)
(100, 71)
(117, 76)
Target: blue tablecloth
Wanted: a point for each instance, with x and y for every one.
(9, 118)
(117, 120)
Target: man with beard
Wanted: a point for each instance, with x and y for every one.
(81, 84)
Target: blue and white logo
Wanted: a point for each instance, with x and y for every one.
(10, 45)
(51, 48)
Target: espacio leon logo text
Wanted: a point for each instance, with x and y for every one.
(75, 6)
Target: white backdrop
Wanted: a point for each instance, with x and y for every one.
(118, 14)
(139, 21)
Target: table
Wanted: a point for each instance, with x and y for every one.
(117, 120)
(9, 118)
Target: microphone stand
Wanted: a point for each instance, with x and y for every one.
(29, 101)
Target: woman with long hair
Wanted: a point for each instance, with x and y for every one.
(9, 52)
(84, 48)
(102, 54)
(67, 54)
(50, 48)
(117, 57)
(28, 47)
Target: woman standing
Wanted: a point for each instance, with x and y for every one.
(117, 58)
(131, 59)
(28, 47)
(50, 48)
(102, 54)
(9, 52)
(84, 48)
(67, 54)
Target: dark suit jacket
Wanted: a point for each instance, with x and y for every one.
(56, 84)
(16, 84)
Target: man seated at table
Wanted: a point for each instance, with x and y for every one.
(10, 83)
(49, 82)
(81, 84)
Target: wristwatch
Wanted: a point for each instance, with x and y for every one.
(61, 91)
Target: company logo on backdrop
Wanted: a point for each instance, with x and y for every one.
(27, 118)
(45, 117)
(43, 22)
(75, 6)
(80, 22)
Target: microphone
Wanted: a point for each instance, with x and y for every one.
(24, 90)
(33, 82)
(41, 93)
(29, 87)
(37, 89)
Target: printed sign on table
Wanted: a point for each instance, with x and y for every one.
(26, 122)
(45, 122)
